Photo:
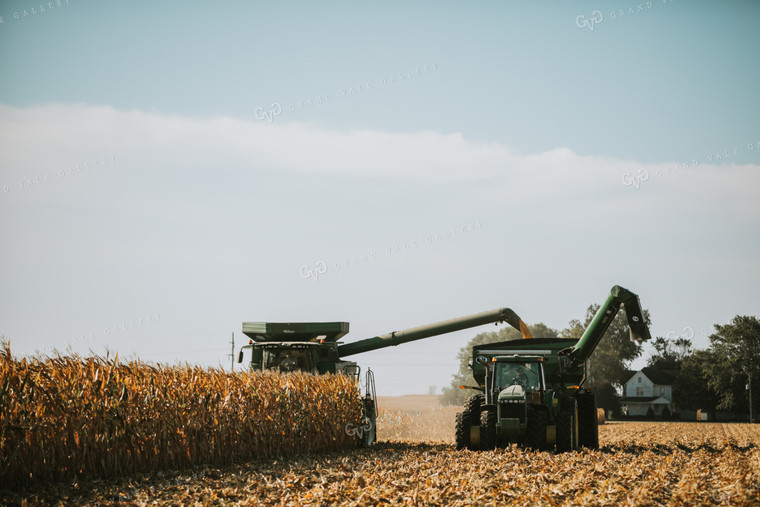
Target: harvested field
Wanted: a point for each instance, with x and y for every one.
(415, 418)
(638, 464)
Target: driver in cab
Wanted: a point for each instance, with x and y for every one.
(520, 379)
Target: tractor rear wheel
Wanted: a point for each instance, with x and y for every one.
(462, 429)
(588, 422)
(488, 429)
(566, 440)
(473, 405)
(538, 419)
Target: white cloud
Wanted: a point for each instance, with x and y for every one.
(65, 135)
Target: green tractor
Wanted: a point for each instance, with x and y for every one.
(532, 390)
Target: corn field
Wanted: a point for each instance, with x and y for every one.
(64, 418)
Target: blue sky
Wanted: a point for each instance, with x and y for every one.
(230, 145)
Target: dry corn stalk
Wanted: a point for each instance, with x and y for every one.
(68, 417)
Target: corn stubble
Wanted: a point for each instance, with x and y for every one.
(64, 418)
(638, 464)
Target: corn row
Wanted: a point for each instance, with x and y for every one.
(63, 418)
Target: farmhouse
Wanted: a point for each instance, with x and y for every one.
(647, 389)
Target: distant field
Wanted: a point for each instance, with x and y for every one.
(408, 402)
(639, 463)
(415, 418)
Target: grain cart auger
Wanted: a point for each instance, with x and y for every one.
(313, 347)
(532, 390)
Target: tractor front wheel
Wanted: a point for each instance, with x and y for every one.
(488, 429)
(536, 431)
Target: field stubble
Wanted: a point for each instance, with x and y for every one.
(416, 464)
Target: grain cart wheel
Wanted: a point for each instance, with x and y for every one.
(488, 429)
(538, 419)
(566, 437)
(588, 423)
(462, 429)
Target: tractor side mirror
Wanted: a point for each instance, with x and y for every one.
(240, 356)
(482, 360)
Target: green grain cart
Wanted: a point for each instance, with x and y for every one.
(532, 390)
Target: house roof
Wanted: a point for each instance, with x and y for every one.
(638, 399)
(654, 400)
(658, 377)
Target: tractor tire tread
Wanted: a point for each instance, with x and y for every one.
(488, 429)
(588, 424)
(473, 404)
(565, 425)
(536, 430)
(462, 429)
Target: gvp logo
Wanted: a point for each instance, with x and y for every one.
(688, 333)
(358, 431)
(629, 179)
(583, 22)
(268, 115)
(319, 269)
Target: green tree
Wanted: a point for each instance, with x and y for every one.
(691, 390)
(736, 368)
(669, 354)
(463, 377)
(608, 398)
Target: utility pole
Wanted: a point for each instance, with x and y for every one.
(232, 353)
(751, 419)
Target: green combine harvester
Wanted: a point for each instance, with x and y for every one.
(532, 391)
(313, 347)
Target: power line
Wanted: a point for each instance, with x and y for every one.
(176, 352)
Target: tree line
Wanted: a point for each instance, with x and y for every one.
(721, 377)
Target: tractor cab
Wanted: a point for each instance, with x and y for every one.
(524, 375)
(513, 377)
(514, 387)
